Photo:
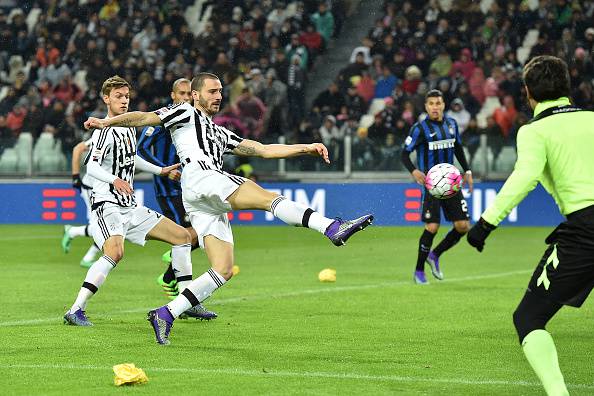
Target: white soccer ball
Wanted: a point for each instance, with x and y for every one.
(443, 181)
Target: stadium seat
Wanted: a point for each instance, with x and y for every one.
(24, 150)
(8, 161)
(506, 160)
(47, 154)
(478, 162)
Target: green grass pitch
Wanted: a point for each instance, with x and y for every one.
(280, 331)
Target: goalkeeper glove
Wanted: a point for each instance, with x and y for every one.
(478, 233)
(76, 182)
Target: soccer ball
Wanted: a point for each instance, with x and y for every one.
(443, 181)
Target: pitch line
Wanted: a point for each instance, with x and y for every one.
(295, 374)
(329, 289)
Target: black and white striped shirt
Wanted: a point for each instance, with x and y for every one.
(114, 149)
(196, 137)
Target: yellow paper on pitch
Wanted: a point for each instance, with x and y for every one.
(236, 269)
(128, 374)
(327, 275)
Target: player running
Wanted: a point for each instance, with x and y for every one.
(555, 149)
(115, 214)
(155, 145)
(209, 193)
(436, 140)
(84, 187)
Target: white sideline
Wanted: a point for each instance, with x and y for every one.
(295, 374)
(329, 289)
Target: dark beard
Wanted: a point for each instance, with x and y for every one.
(204, 105)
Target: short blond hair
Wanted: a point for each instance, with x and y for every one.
(113, 82)
(179, 81)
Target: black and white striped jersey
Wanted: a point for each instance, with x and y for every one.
(114, 149)
(196, 137)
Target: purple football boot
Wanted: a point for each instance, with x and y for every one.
(339, 231)
(77, 318)
(433, 261)
(419, 278)
(162, 322)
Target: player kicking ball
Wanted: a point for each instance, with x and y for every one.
(115, 215)
(209, 193)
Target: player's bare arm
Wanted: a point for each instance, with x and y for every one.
(131, 119)
(468, 180)
(419, 176)
(252, 148)
(77, 153)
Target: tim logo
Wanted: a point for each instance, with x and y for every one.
(481, 199)
(58, 204)
(317, 201)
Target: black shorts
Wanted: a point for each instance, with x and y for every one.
(565, 274)
(454, 208)
(173, 208)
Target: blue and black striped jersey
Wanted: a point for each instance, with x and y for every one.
(435, 142)
(155, 145)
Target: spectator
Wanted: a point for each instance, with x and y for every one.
(251, 110)
(275, 97)
(442, 64)
(365, 86)
(464, 65)
(296, 48)
(296, 90)
(323, 21)
(505, 116)
(390, 154)
(329, 132)
(459, 114)
(412, 79)
(378, 131)
(330, 100)
(312, 40)
(355, 104)
(15, 119)
(385, 84)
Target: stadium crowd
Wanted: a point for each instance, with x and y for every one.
(55, 55)
(471, 54)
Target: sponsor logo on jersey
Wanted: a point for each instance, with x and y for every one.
(442, 144)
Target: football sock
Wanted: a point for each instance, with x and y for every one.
(541, 353)
(169, 275)
(74, 232)
(95, 277)
(91, 253)
(298, 215)
(197, 291)
(424, 247)
(452, 238)
(182, 265)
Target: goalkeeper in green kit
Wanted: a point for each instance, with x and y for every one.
(556, 149)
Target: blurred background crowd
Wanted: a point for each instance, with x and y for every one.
(54, 55)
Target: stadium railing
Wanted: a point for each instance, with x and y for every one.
(350, 160)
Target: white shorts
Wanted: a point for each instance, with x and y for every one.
(132, 223)
(205, 194)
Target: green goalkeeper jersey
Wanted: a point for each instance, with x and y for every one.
(556, 149)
